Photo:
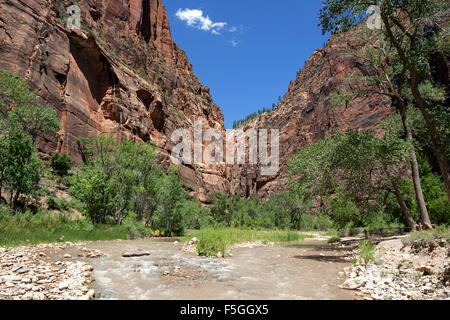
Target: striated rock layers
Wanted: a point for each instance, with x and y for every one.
(305, 115)
(120, 74)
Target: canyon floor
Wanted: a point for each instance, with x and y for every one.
(282, 272)
(163, 269)
(311, 270)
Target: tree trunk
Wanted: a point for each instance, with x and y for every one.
(421, 103)
(412, 224)
(435, 139)
(415, 171)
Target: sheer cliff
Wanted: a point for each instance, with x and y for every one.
(120, 73)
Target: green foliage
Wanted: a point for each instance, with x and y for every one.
(281, 211)
(213, 241)
(366, 253)
(334, 240)
(194, 215)
(435, 195)
(118, 179)
(20, 169)
(61, 163)
(401, 57)
(20, 111)
(344, 213)
(241, 123)
(135, 228)
(355, 167)
(29, 229)
(340, 99)
(169, 196)
(310, 169)
(22, 121)
(340, 15)
(440, 232)
(57, 204)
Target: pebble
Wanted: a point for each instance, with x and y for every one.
(402, 272)
(26, 274)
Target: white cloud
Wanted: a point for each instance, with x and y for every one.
(233, 29)
(234, 42)
(195, 18)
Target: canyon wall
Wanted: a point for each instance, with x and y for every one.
(306, 115)
(120, 73)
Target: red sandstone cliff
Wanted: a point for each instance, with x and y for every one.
(122, 74)
(305, 115)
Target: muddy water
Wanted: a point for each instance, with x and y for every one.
(295, 272)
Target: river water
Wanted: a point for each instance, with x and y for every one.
(291, 272)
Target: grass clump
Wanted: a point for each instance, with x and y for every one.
(214, 241)
(334, 240)
(366, 253)
(440, 232)
(30, 229)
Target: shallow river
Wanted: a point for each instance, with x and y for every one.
(281, 273)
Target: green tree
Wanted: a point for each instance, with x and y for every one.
(357, 167)
(284, 211)
(61, 163)
(406, 27)
(20, 169)
(19, 109)
(195, 216)
(117, 179)
(220, 209)
(121, 180)
(22, 121)
(170, 196)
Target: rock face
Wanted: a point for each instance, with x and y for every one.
(306, 115)
(120, 74)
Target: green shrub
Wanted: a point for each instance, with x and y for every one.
(61, 163)
(28, 228)
(213, 241)
(57, 204)
(135, 228)
(194, 215)
(344, 213)
(20, 169)
(334, 240)
(440, 232)
(317, 222)
(22, 121)
(366, 253)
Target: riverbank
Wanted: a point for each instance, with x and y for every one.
(101, 270)
(294, 271)
(406, 268)
(45, 272)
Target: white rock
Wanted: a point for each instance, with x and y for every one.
(91, 294)
(352, 284)
(63, 286)
(88, 268)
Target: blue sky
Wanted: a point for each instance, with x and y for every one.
(246, 51)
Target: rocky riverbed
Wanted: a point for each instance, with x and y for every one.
(45, 272)
(150, 269)
(415, 271)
